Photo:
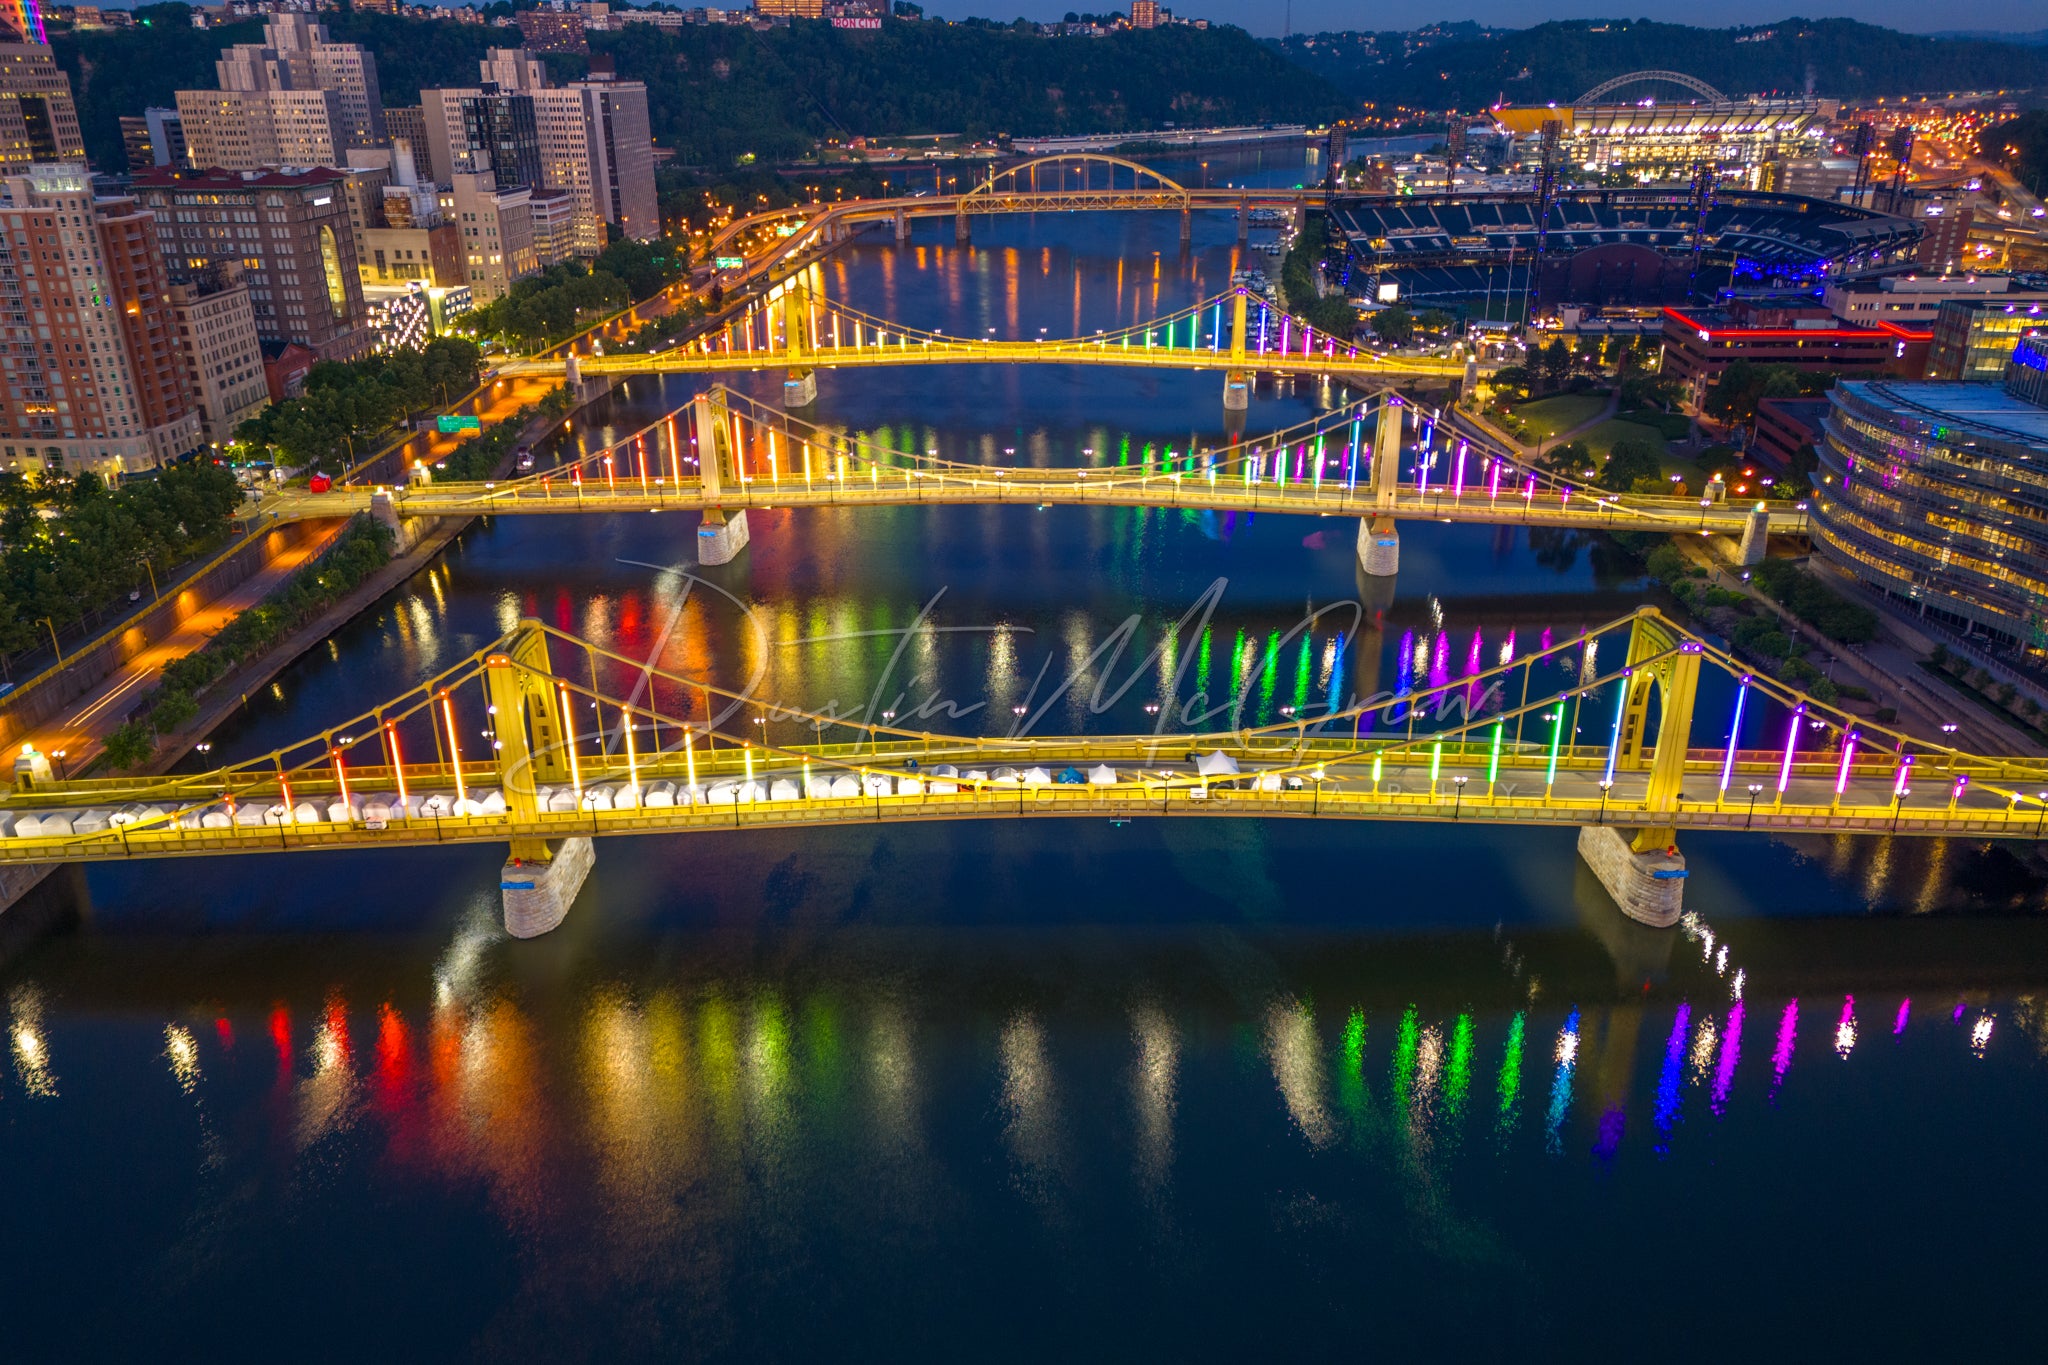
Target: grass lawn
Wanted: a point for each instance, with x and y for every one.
(1561, 412)
(1603, 438)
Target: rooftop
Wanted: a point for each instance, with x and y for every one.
(1986, 407)
(165, 177)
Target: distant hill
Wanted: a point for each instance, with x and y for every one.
(1840, 58)
(719, 92)
(2038, 38)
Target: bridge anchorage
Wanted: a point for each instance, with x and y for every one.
(580, 742)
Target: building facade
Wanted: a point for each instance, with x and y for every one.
(1974, 338)
(1699, 344)
(290, 230)
(1936, 494)
(294, 99)
(496, 227)
(38, 120)
(222, 354)
(93, 370)
(621, 155)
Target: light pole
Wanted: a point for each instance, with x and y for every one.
(154, 595)
(1756, 789)
(1458, 807)
(62, 775)
(53, 641)
(1606, 786)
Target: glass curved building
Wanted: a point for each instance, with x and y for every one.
(1936, 494)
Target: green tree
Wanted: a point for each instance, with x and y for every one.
(1632, 458)
(1393, 325)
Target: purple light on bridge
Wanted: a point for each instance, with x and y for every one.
(1458, 473)
(1791, 742)
(1848, 759)
(1734, 734)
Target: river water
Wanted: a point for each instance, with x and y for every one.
(1006, 1090)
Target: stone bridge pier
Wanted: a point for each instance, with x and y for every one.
(1379, 540)
(541, 877)
(1641, 867)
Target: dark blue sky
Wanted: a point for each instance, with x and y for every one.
(1268, 16)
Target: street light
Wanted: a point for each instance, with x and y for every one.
(1457, 807)
(58, 754)
(53, 641)
(1606, 786)
(1755, 790)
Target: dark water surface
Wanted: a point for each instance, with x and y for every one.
(1023, 1090)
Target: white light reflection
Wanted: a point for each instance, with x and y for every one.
(1297, 1062)
(183, 1051)
(1980, 1034)
(1154, 1076)
(1845, 1031)
(1029, 1106)
(31, 1043)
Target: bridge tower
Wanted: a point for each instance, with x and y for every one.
(541, 877)
(800, 386)
(1642, 868)
(719, 538)
(1379, 542)
(1237, 383)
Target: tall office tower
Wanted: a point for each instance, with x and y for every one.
(563, 126)
(167, 137)
(407, 122)
(621, 154)
(290, 230)
(38, 121)
(483, 129)
(92, 366)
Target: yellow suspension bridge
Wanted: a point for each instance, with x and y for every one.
(734, 453)
(521, 744)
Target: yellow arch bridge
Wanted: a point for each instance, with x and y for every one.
(527, 744)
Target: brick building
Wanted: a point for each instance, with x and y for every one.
(292, 234)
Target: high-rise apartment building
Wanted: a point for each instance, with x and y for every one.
(92, 364)
(1144, 13)
(222, 353)
(38, 120)
(290, 230)
(294, 99)
(245, 130)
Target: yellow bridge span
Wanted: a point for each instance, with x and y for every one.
(732, 453)
(526, 751)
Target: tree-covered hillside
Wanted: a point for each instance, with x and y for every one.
(717, 92)
(1559, 61)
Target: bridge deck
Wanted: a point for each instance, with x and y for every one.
(989, 353)
(176, 817)
(1044, 487)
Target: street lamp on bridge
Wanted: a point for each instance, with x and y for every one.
(1756, 789)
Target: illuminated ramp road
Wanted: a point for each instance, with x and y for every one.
(512, 746)
(792, 328)
(733, 453)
